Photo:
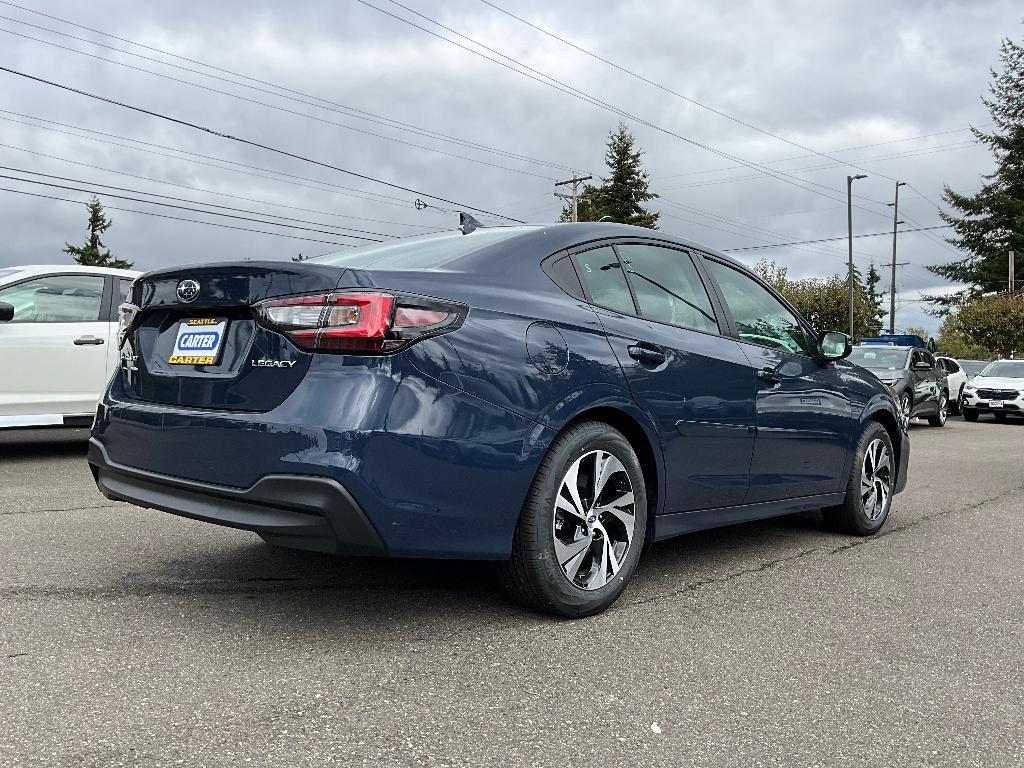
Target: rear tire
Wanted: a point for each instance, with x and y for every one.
(939, 419)
(869, 489)
(568, 543)
(969, 414)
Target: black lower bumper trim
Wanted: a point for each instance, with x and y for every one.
(298, 511)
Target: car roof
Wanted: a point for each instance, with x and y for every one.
(25, 270)
(551, 238)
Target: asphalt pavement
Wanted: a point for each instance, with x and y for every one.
(132, 637)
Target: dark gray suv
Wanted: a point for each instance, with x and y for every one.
(917, 381)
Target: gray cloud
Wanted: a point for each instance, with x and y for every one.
(825, 76)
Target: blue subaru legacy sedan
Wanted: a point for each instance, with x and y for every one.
(551, 397)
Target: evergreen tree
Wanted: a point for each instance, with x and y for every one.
(622, 193)
(874, 311)
(93, 253)
(990, 223)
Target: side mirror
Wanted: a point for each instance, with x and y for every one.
(6, 312)
(835, 345)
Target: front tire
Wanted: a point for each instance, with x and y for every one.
(905, 404)
(939, 419)
(583, 526)
(869, 489)
(969, 414)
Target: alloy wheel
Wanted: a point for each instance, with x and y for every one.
(904, 406)
(594, 519)
(876, 479)
(943, 408)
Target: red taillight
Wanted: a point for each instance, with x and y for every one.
(358, 321)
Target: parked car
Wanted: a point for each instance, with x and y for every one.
(956, 378)
(999, 390)
(58, 341)
(973, 367)
(551, 397)
(916, 379)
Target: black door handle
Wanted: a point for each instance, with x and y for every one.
(769, 376)
(645, 354)
(87, 341)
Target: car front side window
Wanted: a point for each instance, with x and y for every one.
(56, 299)
(760, 317)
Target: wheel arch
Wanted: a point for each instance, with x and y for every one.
(888, 420)
(642, 441)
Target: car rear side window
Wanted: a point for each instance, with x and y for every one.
(760, 317)
(56, 299)
(602, 276)
(668, 287)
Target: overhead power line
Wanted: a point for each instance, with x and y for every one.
(832, 151)
(672, 92)
(274, 106)
(339, 189)
(565, 88)
(185, 208)
(209, 191)
(279, 90)
(195, 202)
(179, 218)
(825, 166)
(251, 143)
(831, 239)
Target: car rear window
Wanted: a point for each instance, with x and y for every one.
(424, 252)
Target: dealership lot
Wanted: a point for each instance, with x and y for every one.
(130, 637)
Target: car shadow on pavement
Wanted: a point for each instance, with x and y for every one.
(287, 590)
(43, 442)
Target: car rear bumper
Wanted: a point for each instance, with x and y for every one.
(433, 471)
(298, 511)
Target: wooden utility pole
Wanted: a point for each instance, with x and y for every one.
(1011, 274)
(575, 181)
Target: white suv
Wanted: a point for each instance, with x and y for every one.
(58, 341)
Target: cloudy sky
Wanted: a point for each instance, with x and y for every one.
(883, 88)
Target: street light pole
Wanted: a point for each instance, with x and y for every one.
(892, 284)
(849, 224)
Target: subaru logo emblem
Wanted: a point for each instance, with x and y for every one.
(188, 291)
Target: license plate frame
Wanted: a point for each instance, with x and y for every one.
(199, 341)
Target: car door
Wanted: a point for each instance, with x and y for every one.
(805, 424)
(54, 349)
(956, 377)
(692, 380)
(925, 379)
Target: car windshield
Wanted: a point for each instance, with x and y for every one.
(973, 367)
(1005, 369)
(879, 357)
(425, 252)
